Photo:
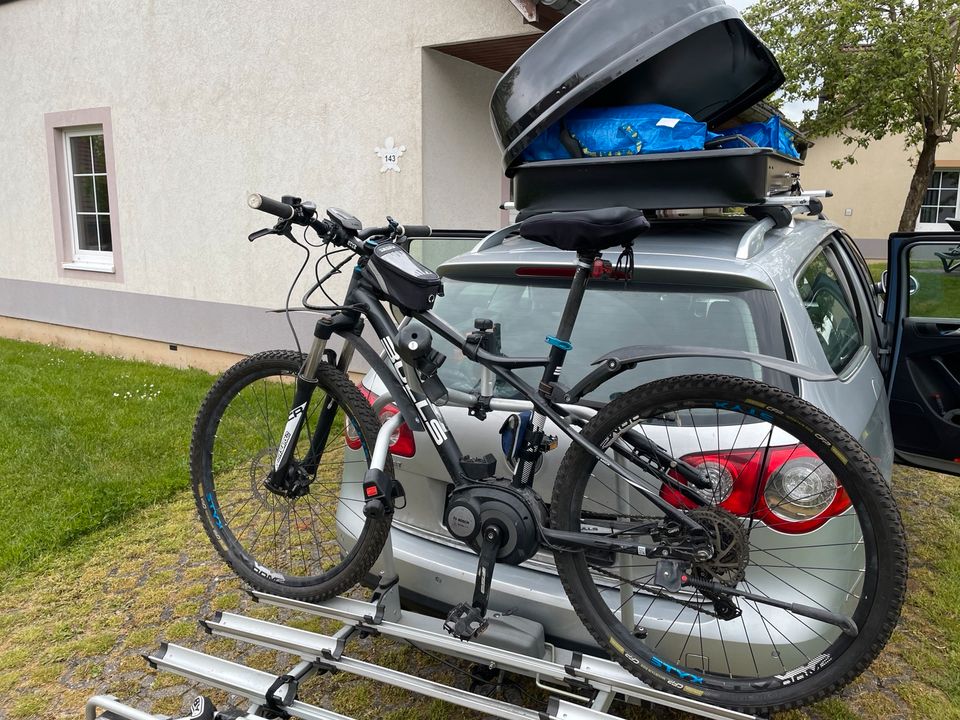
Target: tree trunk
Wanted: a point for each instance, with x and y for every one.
(919, 183)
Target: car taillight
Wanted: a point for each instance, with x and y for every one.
(788, 488)
(401, 442)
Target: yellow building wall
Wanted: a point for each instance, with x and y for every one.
(868, 195)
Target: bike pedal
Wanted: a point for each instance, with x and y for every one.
(465, 622)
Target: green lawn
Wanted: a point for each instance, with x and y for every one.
(938, 294)
(94, 456)
(85, 440)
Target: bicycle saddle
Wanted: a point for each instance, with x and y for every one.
(585, 229)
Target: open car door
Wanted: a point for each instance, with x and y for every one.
(923, 317)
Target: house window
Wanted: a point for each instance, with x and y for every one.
(83, 193)
(89, 199)
(940, 200)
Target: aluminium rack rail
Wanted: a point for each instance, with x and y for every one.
(582, 686)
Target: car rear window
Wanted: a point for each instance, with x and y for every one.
(615, 315)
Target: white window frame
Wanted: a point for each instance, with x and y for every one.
(935, 227)
(93, 260)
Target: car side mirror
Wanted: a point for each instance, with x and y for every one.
(881, 287)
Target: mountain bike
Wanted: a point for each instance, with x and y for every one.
(718, 536)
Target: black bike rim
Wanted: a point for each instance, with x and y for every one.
(216, 508)
(694, 679)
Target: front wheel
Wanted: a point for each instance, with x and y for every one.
(309, 543)
(796, 512)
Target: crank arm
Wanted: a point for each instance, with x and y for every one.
(845, 623)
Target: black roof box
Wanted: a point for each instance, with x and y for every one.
(695, 55)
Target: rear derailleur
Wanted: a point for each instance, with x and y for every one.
(712, 575)
(672, 575)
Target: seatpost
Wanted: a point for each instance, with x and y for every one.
(560, 343)
(559, 347)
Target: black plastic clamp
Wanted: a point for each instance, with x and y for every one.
(481, 407)
(276, 704)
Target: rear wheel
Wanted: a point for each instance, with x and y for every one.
(796, 511)
(311, 543)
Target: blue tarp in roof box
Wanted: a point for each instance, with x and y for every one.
(617, 131)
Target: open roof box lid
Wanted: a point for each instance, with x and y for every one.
(695, 55)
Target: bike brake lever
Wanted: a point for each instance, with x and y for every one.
(260, 233)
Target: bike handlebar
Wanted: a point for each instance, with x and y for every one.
(271, 206)
(409, 231)
(417, 231)
(333, 230)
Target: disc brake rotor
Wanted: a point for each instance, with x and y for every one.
(728, 565)
(260, 467)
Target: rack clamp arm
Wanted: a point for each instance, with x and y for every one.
(481, 407)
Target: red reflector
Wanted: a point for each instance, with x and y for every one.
(370, 490)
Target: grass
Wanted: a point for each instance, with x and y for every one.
(938, 294)
(86, 441)
(78, 626)
(126, 565)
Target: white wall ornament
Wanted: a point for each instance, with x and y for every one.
(390, 155)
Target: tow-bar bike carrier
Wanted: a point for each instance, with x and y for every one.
(582, 686)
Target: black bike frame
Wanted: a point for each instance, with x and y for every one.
(419, 412)
(403, 382)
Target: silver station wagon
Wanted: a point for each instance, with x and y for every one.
(802, 293)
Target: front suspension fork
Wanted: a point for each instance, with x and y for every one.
(306, 384)
(321, 433)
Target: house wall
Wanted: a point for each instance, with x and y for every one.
(462, 180)
(212, 101)
(873, 189)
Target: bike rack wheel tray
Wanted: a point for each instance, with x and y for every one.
(582, 686)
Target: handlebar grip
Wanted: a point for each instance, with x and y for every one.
(268, 205)
(417, 231)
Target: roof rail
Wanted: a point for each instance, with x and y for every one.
(777, 212)
(802, 199)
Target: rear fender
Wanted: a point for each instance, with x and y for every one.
(627, 358)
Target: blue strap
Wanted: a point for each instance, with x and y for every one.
(562, 344)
